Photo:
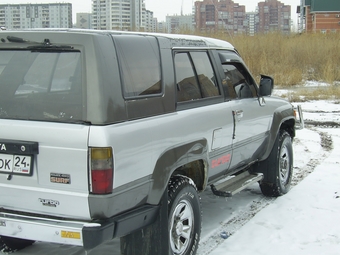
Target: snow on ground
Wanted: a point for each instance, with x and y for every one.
(304, 221)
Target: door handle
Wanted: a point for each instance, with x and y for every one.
(238, 114)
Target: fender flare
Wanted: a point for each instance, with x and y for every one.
(280, 117)
(170, 160)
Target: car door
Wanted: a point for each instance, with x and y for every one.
(251, 122)
(200, 102)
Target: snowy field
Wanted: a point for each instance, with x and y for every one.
(303, 222)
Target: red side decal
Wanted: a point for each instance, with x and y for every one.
(220, 161)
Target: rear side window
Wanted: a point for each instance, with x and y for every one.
(41, 85)
(140, 65)
(195, 77)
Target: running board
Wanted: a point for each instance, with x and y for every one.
(236, 184)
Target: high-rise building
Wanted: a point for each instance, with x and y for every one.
(274, 16)
(23, 16)
(118, 15)
(150, 22)
(252, 23)
(220, 15)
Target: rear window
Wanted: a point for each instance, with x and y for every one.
(40, 85)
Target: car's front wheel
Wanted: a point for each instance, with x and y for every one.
(278, 167)
(184, 212)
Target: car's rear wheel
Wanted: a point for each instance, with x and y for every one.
(11, 244)
(278, 168)
(184, 216)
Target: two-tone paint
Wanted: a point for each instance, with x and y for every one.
(152, 137)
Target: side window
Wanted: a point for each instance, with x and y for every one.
(237, 83)
(195, 78)
(140, 65)
(187, 85)
(205, 73)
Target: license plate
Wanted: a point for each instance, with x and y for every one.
(15, 164)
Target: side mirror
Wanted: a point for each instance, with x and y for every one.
(266, 85)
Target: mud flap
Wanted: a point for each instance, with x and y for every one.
(150, 240)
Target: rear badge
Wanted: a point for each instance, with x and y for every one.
(49, 202)
(60, 178)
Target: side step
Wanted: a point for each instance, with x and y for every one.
(235, 184)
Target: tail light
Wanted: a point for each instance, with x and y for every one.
(101, 170)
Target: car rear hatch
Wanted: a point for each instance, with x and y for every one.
(43, 132)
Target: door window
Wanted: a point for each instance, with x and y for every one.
(195, 77)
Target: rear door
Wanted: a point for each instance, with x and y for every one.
(43, 138)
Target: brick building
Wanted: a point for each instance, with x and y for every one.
(320, 16)
(274, 16)
(217, 15)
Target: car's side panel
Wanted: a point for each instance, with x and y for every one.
(139, 144)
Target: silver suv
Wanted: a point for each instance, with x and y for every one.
(108, 134)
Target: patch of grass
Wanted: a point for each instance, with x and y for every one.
(308, 94)
(289, 59)
(292, 59)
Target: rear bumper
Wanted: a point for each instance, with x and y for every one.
(79, 233)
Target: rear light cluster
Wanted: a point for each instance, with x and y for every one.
(101, 170)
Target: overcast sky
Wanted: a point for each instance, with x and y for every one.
(160, 8)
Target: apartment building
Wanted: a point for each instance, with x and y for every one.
(179, 23)
(118, 15)
(162, 27)
(252, 23)
(320, 16)
(150, 22)
(274, 16)
(24, 16)
(217, 15)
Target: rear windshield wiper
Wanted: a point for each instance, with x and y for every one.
(45, 45)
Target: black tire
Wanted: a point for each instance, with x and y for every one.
(11, 244)
(184, 212)
(278, 167)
